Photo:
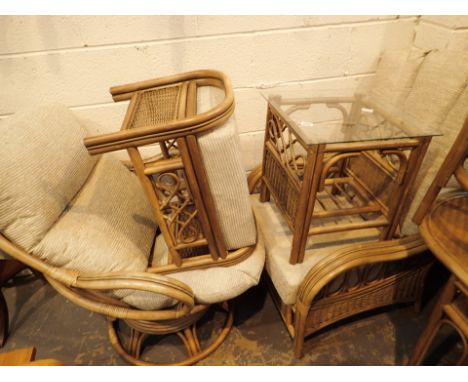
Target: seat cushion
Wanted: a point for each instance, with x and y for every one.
(220, 151)
(108, 227)
(210, 285)
(395, 75)
(44, 165)
(278, 238)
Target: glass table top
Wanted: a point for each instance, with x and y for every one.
(321, 116)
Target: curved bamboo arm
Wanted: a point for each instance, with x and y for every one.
(354, 256)
(63, 279)
(254, 177)
(142, 281)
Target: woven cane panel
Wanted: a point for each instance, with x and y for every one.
(402, 287)
(373, 178)
(156, 106)
(282, 189)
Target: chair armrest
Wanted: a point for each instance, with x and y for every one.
(68, 283)
(141, 281)
(353, 256)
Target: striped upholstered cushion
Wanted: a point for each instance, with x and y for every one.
(108, 227)
(220, 150)
(440, 81)
(43, 165)
(436, 154)
(439, 99)
(57, 203)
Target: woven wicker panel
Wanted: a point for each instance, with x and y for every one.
(398, 288)
(156, 106)
(284, 192)
(373, 179)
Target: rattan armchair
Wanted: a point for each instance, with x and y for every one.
(151, 252)
(347, 274)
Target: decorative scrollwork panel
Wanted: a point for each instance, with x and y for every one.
(178, 207)
(290, 151)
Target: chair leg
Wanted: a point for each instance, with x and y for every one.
(299, 329)
(433, 324)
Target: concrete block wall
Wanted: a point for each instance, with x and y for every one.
(442, 32)
(75, 59)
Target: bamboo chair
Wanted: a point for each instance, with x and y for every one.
(444, 228)
(89, 226)
(347, 274)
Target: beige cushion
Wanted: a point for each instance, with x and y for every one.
(435, 156)
(43, 165)
(440, 81)
(220, 150)
(395, 75)
(210, 285)
(278, 238)
(439, 99)
(108, 227)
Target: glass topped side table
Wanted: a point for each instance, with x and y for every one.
(334, 161)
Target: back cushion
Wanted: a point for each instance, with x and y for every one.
(439, 83)
(108, 226)
(436, 153)
(395, 75)
(43, 165)
(220, 151)
(439, 99)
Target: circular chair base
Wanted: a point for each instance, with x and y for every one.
(185, 328)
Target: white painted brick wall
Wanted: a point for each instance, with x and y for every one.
(75, 59)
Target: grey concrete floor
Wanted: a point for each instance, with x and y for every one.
(59, 329)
